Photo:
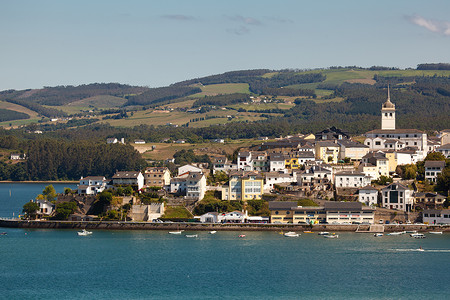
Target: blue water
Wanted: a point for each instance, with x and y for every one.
(59, 264)
(14, 195)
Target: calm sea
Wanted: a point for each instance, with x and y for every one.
(59, 264)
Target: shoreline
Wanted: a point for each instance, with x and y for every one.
(118, 225)
(44, 181)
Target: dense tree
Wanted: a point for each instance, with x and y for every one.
(30, 209)
(64, 209)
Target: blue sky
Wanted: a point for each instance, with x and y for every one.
(156, 43)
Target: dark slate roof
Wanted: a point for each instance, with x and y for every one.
(274, 205)
(334, 205)
(126, 175)
(435, 164)
(368, 188)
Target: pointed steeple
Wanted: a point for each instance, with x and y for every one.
(388, 104)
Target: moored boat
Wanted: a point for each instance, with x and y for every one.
(417, 235)
(331, 236)
(212, 232)
(435, 232)
(242, 235)
(378, 234)
(323, 233)
(176, 232)
(291, 234)
(84, 232)
(397, 233)
(191, 235)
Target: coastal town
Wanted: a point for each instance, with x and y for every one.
(327, 177)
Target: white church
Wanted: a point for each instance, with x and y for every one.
(390, 138)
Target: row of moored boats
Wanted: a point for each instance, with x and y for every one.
(413, 234)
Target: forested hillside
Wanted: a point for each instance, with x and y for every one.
(52, 159)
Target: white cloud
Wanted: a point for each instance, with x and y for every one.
(436, 26)
(245, 20)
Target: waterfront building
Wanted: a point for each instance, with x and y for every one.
(397, 196)
(348, 213)
(243, 185)
(368, 195)
(286, 212)
(45, 207)
(436, 216)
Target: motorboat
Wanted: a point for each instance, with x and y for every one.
(308, 231)
(191, 235)
(435, 232)
(84, 232)
(212, 232)
(242, 235)
(323, 233)
(411, 231)
(417, 235)
(378, 234)
(176, 232)
(291, 234)
(331, 236)
(3, 233)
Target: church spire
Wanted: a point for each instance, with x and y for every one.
(389, 96)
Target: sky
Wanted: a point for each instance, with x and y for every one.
(159, 42)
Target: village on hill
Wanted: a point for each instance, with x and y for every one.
(322, 178)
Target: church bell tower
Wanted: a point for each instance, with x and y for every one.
(388, 114)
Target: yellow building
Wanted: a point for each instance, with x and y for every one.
(327, 151)
(243, 185)
(292, 163)
(392, 161)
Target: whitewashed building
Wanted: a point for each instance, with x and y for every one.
(351, 179)
(436, 216)
(92, 185)
(368, 195)
(433, 169)
(397, 196)
(129, 178)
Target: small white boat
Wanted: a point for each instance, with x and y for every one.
(331, 236)
(84, 232)
(191, 235)
(291, 234)
(212, 232)
(417, 235)
(435, 232)
(242, 235)
(397, 233)
(411, 231)
(420, 249)
(176, 232)
(323, 233)
(378, 234)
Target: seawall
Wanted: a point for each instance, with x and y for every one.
(115, 225)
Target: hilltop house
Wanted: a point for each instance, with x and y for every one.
(351, 179)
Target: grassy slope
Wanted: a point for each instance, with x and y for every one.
(225, 88)
(11, 106)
